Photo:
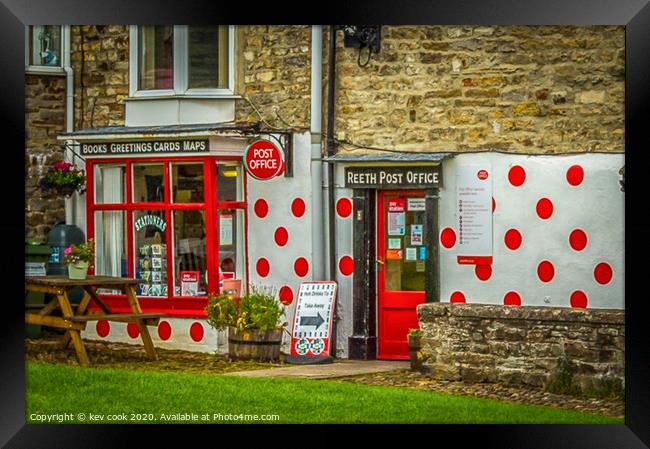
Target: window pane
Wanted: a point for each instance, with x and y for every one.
(45, 43)
(187, 183)
(229, 185)
(150, 252)
(110, 185)
(190, 263)
(231, 244)
(208, 57)
(110, 243)
(156, 57)
(148, 186)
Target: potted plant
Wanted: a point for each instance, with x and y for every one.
(63, 178)
(79, 259)
(252, 321)
(414, 341)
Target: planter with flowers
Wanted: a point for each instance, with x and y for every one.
(79, 259)
(64, 179)
(253, 323)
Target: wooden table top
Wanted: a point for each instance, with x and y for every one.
(65, 281)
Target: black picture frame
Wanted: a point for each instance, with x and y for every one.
(634, 14)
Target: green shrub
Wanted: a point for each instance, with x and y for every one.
(257, 310)
(562, 381)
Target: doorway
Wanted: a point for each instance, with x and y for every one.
(400, 265)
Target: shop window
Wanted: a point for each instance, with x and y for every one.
(148, 183)
(45, 47)
(110, 243)
(190, 262)
(229, 185)
(187, 183)
(110, 184)
(182, 60)
(150, 252)
(231, 244)
(156, 57)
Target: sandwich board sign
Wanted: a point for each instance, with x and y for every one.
(312, 323)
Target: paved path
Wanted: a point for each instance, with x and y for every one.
(340, 368)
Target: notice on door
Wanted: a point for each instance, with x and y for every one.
(396, 221)
(474, 214)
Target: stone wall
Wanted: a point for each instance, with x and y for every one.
(533, 89)
(100, 59)
(44, 120)
(274, 72)
(521, 345)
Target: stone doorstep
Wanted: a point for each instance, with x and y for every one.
(342, 368)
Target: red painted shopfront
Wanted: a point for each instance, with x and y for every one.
(177, 223)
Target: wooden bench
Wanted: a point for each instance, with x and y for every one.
(74, 320)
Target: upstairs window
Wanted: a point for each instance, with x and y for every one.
(44, 48)
(182, 60)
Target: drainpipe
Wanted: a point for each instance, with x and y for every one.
(317, 224)
(331, 150)
(70, 203)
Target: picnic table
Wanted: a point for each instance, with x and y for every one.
(74, 319)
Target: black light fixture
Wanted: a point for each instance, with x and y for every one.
(362, 37)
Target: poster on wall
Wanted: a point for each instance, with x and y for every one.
(474, 214)
(312, 323)
(225, 229)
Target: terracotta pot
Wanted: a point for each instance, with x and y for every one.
(78, 270)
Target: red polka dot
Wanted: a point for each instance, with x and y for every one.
(545, 271)
(544, 208)
(298, 207)
(483, 272)
(448, 238)
(196, 332)
(578, 239)
(574, 175)
(262, 266)
(517, 175)
(457, 297)
(603, 273)
(261, 208)
(494, 205)
(286, 295)
(164, 330)
(281, 236)
(132, 330)
(579, 299)
(301, 267)
(344, 207)
(512, 239)
(346, 265)
(512, 299)
(103, 328)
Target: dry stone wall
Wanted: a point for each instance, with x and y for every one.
(521, 345)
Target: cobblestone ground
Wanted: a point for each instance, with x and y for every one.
(121, 355)
(410, 379)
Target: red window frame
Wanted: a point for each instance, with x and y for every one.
(190, 306)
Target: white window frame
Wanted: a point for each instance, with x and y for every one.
(44, 69)
(181, 69)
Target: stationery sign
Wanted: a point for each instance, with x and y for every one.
(474, 214)
(312, 322)
(263, 160)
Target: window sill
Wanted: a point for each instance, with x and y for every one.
(44, 70)
(184, 96)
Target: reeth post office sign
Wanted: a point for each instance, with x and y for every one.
(419, 177)
(145, 147)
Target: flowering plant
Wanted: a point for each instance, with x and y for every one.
(64, 178)
(84, 252)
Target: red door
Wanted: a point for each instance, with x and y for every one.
(400, 268)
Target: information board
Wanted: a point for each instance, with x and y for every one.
(312, 322)
(474, 214)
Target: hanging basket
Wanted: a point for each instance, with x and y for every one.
(78, 270)
(65, 190)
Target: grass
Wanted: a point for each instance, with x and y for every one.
(115, 391)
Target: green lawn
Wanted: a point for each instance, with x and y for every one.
(62, 389)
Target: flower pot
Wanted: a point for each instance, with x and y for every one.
(78, 270)
(415, 344)
(254, 344)
(66, 190)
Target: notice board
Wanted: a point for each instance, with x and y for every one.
(474, 214)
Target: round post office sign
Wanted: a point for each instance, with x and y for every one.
(263, 160)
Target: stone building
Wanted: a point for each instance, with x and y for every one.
(462, 164)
